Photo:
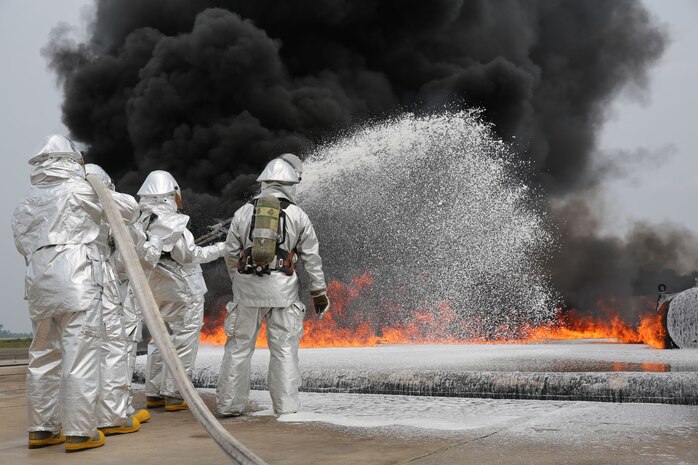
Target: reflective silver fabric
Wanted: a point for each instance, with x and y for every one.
(177, 283)
(55, 227)
(295, 162)
(284, 331)
(157, 183)
(132, 319)
(113, 405)
(279, 170)
(63, 372)
(57, 147)
(276, 289)
(162, 224)
(184, 329)
(272, 297)
(96, 170)
(133, 329)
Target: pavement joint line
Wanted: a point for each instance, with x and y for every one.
(468, 441)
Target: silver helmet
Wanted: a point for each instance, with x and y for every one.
(161, 182)
(96, 170)
(281, 170)
(295, 162)
(57, 147)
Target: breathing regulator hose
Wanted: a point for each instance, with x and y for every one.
(139, 283)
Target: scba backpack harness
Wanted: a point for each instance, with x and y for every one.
(267, 233)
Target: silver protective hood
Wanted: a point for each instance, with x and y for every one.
(57, 147)
(159, 182)
(279, 170)
(96, 170)
(278, 190)
(295, 162)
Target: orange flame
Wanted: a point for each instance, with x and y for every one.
(337, 329)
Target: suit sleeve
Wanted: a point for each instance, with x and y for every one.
(186, 252)
(308, 249)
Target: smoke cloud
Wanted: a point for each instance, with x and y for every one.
(212, 90)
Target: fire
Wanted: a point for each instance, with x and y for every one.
(650, 331)
(340, 328)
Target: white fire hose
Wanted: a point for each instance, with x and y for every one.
(139, 283)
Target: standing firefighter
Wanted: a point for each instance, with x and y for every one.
(177, 283)
(115, 414)
(265, 240)
(55, 227)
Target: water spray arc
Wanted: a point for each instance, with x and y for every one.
(235, 450)
(435, 209)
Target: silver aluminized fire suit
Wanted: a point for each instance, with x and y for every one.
(273, 298)
(178, 286)
(55, 227)
(133, 329)
(131, 317)
(114, 405)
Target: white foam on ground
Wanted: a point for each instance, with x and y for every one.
(475, 357)
(441, 414)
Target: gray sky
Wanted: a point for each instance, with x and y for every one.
(656, 191)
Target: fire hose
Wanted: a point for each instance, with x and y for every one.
(144, 296)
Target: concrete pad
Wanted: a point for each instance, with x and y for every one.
(527, 432)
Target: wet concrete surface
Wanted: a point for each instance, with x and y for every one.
(530, 432)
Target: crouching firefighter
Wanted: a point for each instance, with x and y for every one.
(266, 239)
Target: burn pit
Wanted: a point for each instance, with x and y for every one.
(346, 325)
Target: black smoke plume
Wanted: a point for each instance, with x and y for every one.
(211, 90)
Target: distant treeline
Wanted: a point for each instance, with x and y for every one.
(5, 333)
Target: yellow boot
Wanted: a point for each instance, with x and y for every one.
(78, 443)
(174, 404)
(39, 439)
(131, 426)
(143, 415)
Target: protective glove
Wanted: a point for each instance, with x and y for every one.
(218, 249)
(321, 302)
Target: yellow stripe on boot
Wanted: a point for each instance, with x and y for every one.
(131, 426)
(174, 404)
(78, 443)
(39, 439)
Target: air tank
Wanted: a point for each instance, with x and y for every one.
(265, 231)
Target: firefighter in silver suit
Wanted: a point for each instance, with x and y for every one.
(269, 294)
(115, 414)
(55, 228)
(176, 280)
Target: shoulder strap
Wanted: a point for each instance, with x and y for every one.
(254, 210)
